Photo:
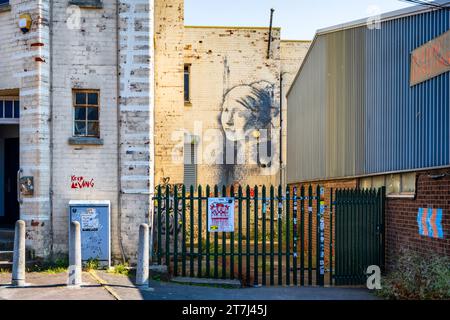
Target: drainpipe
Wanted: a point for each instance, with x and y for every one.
(119, 162)
(50, 26)
(270, 33)
(281, 130)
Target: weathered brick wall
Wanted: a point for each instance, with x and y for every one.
(10, 62)
(136, 63)
(223, 59)
(84, 57)
(402, 231)
(169, 20)
(293, 52)
(32, 58)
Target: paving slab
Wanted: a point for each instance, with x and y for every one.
(44, 286)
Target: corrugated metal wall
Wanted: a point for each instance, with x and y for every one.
(352, 111)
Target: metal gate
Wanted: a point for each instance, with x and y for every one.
(359, 234)
(279, 238)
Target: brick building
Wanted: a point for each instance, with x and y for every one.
(91, 94)
(77, 108)
(369, 107)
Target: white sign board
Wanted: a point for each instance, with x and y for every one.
(221, 214)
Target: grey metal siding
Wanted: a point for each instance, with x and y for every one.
(351, 110)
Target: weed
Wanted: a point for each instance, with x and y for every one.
(121, 268)
(418, 277)
(92, 264)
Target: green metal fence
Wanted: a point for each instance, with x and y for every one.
(279, 238)
(359, 234)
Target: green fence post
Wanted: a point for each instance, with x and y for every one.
(183, 221)
(255, 238)
(240, 232)
(175, 231)
(224, 243)
(331, 237)
(272, 231)
(382, 200)
(216, 242)
(288, 240)
(302, 236)
(159, 225)
(310, 211)
(208, 246)
(294, 235)
(247, 240)
(232, 240)
(264, 209)
(320, 234)
(280, 236)
(191, 226)
(200, 231)
(167, 227)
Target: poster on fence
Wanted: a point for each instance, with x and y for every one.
(221, 214)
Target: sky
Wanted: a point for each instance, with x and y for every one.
(298, 19)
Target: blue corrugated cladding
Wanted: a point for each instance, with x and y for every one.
(406, 127)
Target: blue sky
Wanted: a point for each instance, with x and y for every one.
(299, 19)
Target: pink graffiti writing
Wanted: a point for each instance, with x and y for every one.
(80, 182)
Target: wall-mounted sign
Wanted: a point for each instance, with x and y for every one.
(431, 59)
(25, 22)
(26, 185)
(221, 214)
(430, 223)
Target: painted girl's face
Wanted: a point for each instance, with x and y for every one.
(246, 108)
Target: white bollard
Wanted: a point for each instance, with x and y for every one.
(18, 272)
(143, 256)
(75, 255)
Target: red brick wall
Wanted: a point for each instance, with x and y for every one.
(401, 217)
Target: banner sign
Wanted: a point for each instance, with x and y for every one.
(221, 214)
(430, 223)
(431, 59)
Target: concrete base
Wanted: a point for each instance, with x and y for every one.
(208, 282)
(159, 270)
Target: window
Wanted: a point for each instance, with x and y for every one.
(86, 113)
(4, 2)
(187, 75)
(190, 162)
(9, 110)
(401, 184)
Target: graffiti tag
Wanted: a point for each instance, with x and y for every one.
(81, 182)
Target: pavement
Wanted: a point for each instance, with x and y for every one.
(100, 285)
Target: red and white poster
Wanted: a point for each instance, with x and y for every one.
(221, 214)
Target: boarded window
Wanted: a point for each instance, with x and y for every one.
(190, 163)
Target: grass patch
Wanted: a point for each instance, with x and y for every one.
(50, 267)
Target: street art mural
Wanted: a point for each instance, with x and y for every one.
(248, 113)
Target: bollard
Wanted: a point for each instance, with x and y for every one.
(18, 272)
(143, 256)
(75, 254)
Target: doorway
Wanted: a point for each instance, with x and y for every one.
(9, 165)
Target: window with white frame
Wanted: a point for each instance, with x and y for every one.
(9, 110)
